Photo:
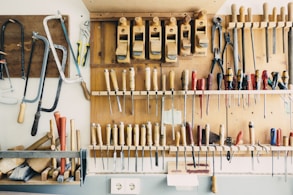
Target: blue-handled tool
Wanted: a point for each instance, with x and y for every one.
(273, 136)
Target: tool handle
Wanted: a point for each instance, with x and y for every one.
(285, 140)
(93, 134)
(57, 121)
(273, 135)
(265, 77)
(234, 14)
(209, 81)
(136, 135)
(35, 123)
(177, 138)
(131, 79)
(189, 130)
(265, 12)
(208, 130)
(99, 134)
(155, 79)
(147, 78)
(285, 78)
(282, 14)
(193, 80)
(20, 117)
(115, 135)
(124, 80)
(163, 82)
(290, 11)
(230, 78)
(73, 143)
(199, 135)
(241, 14)
(163, 136)
(62, 142)
(222, 135)
(143, 135)
(200, 84)
(114, 79)
(157, 134)
(129, 135)
(183, 133)
(121, 134)
(257, 79)
(274, 15)
(107, 79)
(149, 134)
(278, 137)
(185, 79)
(39, 142)
(108, 134)
(53, 141)
(214, 184)
(249, 15)
(239, 138)
(219, 80)
(172, 79)
(85, 90)
(251, 133)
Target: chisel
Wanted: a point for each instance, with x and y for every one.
(274, 16)
(155, 86)
(177, 140)
(235, 38)
(148, 86)
(121, 143)
(136, 142)
(124, 87)
(249, 14)
(94, 141)
(266, 19)
(283, 19)
(108, 141)
(252, 141)
(115, 86)
(115, 144)
(242, 19)
(257, 84)
(229, 83)
(129, 141)
(107, 79)
(163, 143)
(149, 136)
(207, 130)
(132, 87)
(172, 78)
(219, 84)
(185, 82)
(157, 142)
(163, 102)
(189, 130)
(221, 143)
(142, 142)
(183, 135)
(193, 87)
(100, 140)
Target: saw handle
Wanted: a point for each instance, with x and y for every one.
(20, 118)
(85, 90)
(36, 123)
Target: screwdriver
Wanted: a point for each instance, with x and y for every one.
(183, 134)
(94, 140)
(239, 82)
(157, 142)
(172, 78)
(209, 87)
(116, 88)
(222, 140)
(252, 141)
(148, 86)
(193, 87)
(124, 87)
(100, 140)
(132, 87)
(155, 86)
(115, 144)
(219, 84)
(121, 143)
(185, 82)
(207, 130)
(129, 140)
(163, 143)
(265, 85)
(177, 140)
(199, 139)
(142, 142)
(201, 86)
(190, 134)
(108, 142)
(136, 142)
(107, 79)
(149, 136)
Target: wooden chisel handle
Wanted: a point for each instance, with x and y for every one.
(207, 129)
(157, 134)
(241, 14)
(85, 90)
(114, 79)
(189, 130)
(62, 121)
(249, 15)
(129, 135)
(185, 79)
(183, 133)
(251, 133)
(214, 184)
(193, 79)
(99, 134)
(57, 121)
(115, 135)
(121, 134)
(290, 12)
(199, 135)
(222, 135)
(124, 80)
(172, 78)
(132, 79)
(20, 117)
(136, 135)
(93, 134)
(108, 134)
(143, 135)
(163, 82)
(265, 12)
(53, 144)
(239, 138)
(149, 134)
(147, 78)
(234, 14)
(163, 136)
(282, 14)
(107, 80)
(155, 79)
(177, 139)
(274, 15)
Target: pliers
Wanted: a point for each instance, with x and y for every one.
(217, 60)
(217, 25)
(228, 42)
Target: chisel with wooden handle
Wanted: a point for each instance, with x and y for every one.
(148, 86)
(171, 83)
(177, 140)
(274, 16)
(132, 87)
(185, 82)
(121, 143)
(214, 179)
(142, 142)
(242, 19)
(108, 142)
(100, 142)
(129, 141)
(115, 86)
(108, 88)
(115, 144)
(283, 19)
(249, 16)
(157, 142)
(207, 130)
(124, 87)
(199, 141)
(149, 136)
(155, 87)
(163, 102)
(94, 141)
(136, 142)
(53, 144)
(163, 143)
(193, 87)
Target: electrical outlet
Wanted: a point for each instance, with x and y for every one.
(125, 186)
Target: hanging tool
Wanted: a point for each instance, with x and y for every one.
(172, 80)
(266, 20)
(136, 142)
(107, 79)
(83, 44)
(124, 88)
(249, 17)
(129, 140)
(2, 47)
(183, 134)
(94, 141)
(132, 87)
(286, 144)
(229, 83)
(142, 142)
(221, 143)
(207, 134)
(252, 141)
(185, 83)
(219, 84)
(239, 82)
(157, 142)
(193, 87)
(283, 19)
(57, 61)
(155, 86)
(148, 86)
(242, 19)
(115, 86)
(217, 26)
(290, 43)
(100, 140)
(235, 38)
(149, 136)
(209, 87)
(273, 135)
(201, 86)
(62, 137)
(163, 143)
(214, 179)
(257, 84)
(227, 43)
(177, 140)
(199, 141)
(73, 144)
(190, 134)
(115, 144)
(121, 143)
(264, 77)
(274, 16)
(108, 141)
(163, 102)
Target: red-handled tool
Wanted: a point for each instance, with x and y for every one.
(62, 137)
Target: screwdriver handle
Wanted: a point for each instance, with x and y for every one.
(114, 79)
(149, 134)
(163, 136)
(183, 133)
(107, 79)
(172, 78)
(290, 11)
(155, 79)
(239, 138)
(265, 79)
(136, 135)
(99, 134)
(265, 12)
(115, 135)
(209, 81)
(93, 134)
(208, 130)
(274, 15)
(163, 82)
(108, 134)
(189, 130)
(129, 135)
(279, 137)
(285, 78)
(283, 14)
(219, 80)
(251, 133)
(257, 79)
(177, 138)
(273, 134)
(239, 79)
(234, 14)
(214, 184)
(121, 134)
(124, 80)
(143, 135)
(193, 79)
(249, 15)
(222, 135)
(230, 78)
(131, 79)
(157, 134)
(199, 135)
(241, 14)
(185, 79)
(147, 78)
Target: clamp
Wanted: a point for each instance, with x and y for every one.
(217, 26)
